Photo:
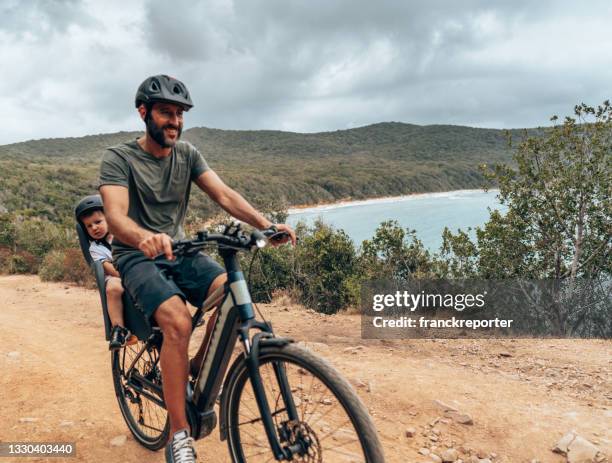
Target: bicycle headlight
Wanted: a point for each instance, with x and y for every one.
(258, 239)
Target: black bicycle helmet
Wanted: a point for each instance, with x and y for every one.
(162, 88)
(88, 204)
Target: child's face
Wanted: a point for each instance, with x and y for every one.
(95, 224)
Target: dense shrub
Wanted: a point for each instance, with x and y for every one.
(395, 253)
(77, 269)
(25, 243)
(326, 270)
(7, 230)
(272, 270)
(6, 254)
(38, 237)
(23, 262)
(66, 265)
(52, 266)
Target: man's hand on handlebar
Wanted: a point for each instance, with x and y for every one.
(285, 233)
(161, 245)
(157, 244)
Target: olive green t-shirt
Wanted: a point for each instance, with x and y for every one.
(158, 188)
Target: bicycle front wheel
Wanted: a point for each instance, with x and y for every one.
(332, 424)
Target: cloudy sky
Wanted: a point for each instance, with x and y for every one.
(71, 68)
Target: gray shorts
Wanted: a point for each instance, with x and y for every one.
(151, 282)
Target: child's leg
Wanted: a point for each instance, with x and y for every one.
(114, 291)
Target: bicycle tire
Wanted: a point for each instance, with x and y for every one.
(149, 428)
(291, 354)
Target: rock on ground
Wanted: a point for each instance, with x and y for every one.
(578, 450)
(118, 441)
(449, 456)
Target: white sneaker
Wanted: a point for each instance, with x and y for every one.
(180, 448)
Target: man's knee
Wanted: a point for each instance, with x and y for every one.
(174, 319)
(114, 287)
(218, 281)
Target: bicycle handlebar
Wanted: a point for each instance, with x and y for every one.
(232, 237)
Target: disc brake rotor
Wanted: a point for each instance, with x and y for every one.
(301, 433)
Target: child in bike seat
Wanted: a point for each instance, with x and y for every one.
(90, 213)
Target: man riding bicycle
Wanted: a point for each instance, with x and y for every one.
(145, 186)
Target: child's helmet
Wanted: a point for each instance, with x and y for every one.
(88, 204)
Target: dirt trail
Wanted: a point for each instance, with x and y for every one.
(522, 395)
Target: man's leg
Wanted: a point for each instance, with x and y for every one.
(217, 282)
(174, 319)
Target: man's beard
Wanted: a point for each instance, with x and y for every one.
(157, 133)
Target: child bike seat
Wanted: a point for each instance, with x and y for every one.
(135, 320)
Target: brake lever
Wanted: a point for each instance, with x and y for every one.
(278, 236)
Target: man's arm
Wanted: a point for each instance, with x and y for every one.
(116, 203)
(233, 203)
(230, 200)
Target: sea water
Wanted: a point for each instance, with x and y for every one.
(426, 213)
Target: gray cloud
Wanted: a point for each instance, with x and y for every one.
(304, 66)
(36, 20)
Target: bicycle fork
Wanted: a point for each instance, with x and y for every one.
(266, 338)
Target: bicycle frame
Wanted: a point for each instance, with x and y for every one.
(236, 319)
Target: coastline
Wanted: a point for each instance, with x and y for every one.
(306, 208)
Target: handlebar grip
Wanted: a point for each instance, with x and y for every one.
(279, 236)
(257, 235)
(272, 233)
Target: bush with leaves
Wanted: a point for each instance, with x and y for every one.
(559, 219)
(41, 236)
(7, 230)
(66, 265)
(326, 269)
(272, 269)
(395, 253)
(52, 267)
(23, 262)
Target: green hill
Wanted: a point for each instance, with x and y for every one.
(46, 177)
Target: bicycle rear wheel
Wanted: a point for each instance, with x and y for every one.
(138, 387)
(333, 425)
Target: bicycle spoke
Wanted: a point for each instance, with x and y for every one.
(312, 378)
(255, 420)
(322, 416)
(151, 427)
(258, 453)
(272, 393)
(255, 439)
(323, 426)
(246, 402)
(353, 441)
(252, 437)
(321, 439)
(145, 417)
(302, 401)
(316, 407)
